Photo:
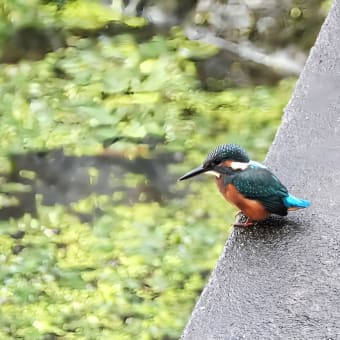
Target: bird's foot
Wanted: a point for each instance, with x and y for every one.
(239, 214)
(242, 220)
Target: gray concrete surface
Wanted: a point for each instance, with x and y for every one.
(281, 279)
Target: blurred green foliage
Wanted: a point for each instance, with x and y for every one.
(134, 271)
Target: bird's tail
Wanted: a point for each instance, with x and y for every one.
(293, 203)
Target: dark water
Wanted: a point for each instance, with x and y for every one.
(62, 179)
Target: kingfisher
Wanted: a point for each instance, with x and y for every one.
(247, 184)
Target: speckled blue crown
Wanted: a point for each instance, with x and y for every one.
(223, 152)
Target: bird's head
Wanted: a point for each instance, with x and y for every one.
(223, 157)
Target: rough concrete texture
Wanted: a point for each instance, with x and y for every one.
(281, 279)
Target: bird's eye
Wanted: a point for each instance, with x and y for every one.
(214, 163)
(208, 164)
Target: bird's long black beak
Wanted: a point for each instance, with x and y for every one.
(194, 172)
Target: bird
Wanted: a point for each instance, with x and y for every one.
(247, 184)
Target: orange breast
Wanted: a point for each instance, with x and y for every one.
(252, 208)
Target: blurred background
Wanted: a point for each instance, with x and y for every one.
(103, 105)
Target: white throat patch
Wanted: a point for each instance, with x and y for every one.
(213, 173)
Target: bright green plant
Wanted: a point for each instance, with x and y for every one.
(134, 271)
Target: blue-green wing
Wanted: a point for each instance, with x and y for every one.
(261, 185)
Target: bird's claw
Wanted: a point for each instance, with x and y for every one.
(239, 214)
(242, 220)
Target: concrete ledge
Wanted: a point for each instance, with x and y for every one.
(281, 279)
